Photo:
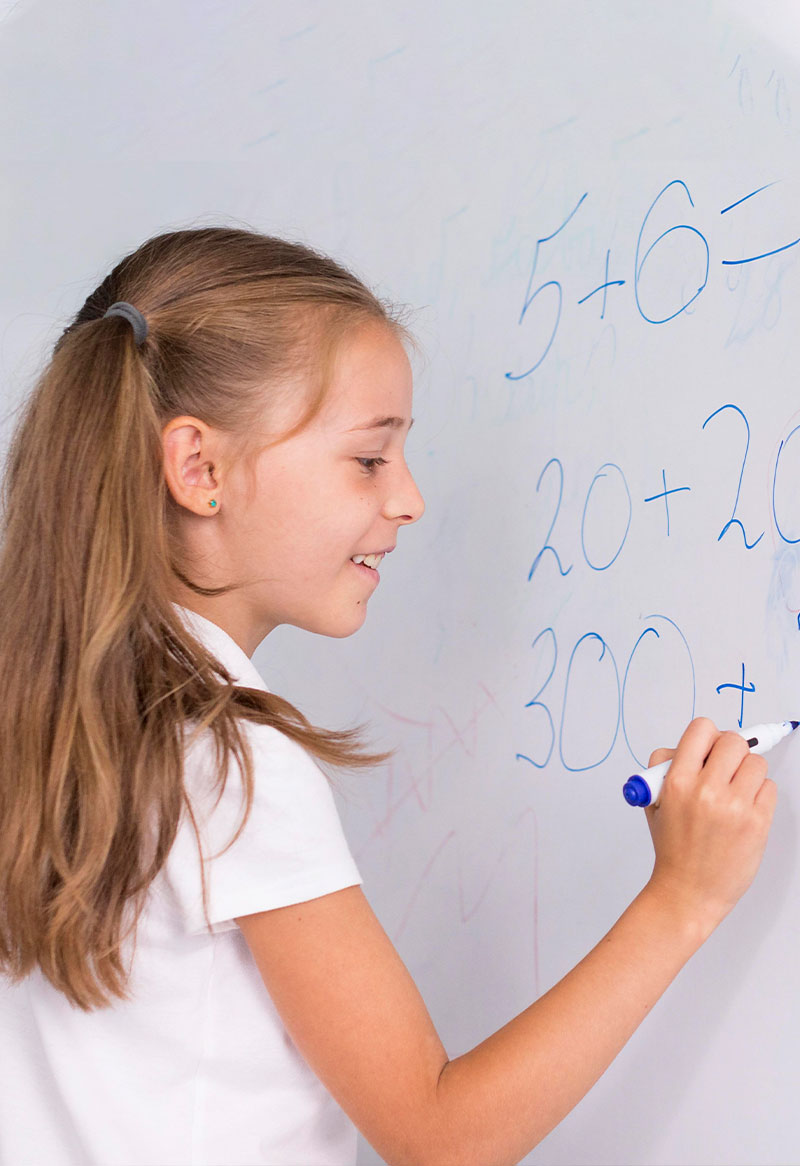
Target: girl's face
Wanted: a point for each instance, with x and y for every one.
(339, 488)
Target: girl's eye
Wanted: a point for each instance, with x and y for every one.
(368, 464)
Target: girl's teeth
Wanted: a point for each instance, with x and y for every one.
(367, 560)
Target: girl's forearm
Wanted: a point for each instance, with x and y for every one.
(499, 1100)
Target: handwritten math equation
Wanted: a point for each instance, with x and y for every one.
(546, 299)
(617, 509)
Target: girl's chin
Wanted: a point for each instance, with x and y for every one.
(338, 625)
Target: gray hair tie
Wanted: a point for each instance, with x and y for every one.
(133, 316)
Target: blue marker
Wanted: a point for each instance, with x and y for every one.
(642, 789)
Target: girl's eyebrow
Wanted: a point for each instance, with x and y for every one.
(382, 422)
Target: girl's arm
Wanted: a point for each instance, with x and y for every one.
(355, 1014)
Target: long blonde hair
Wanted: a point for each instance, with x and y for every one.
(100, 673)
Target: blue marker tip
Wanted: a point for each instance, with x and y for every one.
(794, 724)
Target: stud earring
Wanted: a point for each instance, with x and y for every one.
(213, 502)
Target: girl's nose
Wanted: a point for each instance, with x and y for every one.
(405, 501)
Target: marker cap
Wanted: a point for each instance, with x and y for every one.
(636, 791)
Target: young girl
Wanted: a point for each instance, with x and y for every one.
(191, 972)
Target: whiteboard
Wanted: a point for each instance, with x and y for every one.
(593, 208)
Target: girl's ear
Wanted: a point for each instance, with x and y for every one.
(189, 467)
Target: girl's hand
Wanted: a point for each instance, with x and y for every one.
(711, 823)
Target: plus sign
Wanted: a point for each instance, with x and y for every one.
(743, 688)
(602, 288)
(665, 495)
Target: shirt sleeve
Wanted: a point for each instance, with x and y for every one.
(291, 849)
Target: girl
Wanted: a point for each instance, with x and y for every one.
(191, 972)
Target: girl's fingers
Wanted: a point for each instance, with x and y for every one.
(767, 797)
(659, 756)
(718, 758)
(694, 747)
(688, 759)
(725, 759)
(751, 777)
(721, 761)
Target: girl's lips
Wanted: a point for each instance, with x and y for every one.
(372, 572)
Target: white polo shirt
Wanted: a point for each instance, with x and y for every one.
(197, 1068)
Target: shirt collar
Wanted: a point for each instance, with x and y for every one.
(224, 647)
